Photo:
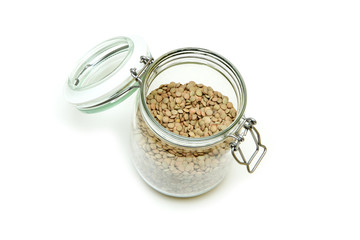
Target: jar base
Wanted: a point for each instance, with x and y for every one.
(177, 195)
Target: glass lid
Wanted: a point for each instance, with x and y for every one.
(102, 77)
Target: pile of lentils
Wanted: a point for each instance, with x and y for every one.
(191, 110)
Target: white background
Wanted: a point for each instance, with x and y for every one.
(68, 175)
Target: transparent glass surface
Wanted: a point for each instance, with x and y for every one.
(176, 165)
(178, 171)
(101, 63)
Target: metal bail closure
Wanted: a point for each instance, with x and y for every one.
(240, 137)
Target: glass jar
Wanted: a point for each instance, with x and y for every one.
(170, 163)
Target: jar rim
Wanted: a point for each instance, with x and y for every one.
(101, 78)
(177, 139)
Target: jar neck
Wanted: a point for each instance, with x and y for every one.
(196, 56)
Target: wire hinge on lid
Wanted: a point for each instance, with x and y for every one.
(145, 60)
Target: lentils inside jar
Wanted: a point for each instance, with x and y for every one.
(191, 110)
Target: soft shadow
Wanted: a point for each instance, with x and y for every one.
(116, 119)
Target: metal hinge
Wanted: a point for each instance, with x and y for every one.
(137, 75)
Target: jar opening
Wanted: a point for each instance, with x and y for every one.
(203, 67)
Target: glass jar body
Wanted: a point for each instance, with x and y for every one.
(173, 170)
(176, 165)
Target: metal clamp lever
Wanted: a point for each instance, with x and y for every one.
(240, 137)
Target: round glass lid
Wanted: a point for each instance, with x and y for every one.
(104, 73)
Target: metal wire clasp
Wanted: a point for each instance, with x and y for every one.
(240, 137)
(137, 75)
